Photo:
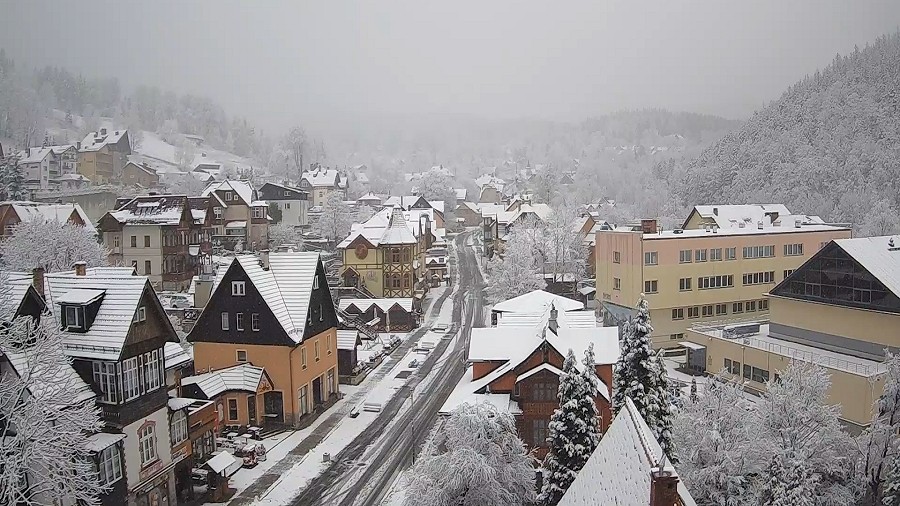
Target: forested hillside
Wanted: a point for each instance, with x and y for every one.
(829, 146)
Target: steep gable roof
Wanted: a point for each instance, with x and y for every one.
(29, 211)
(537, 301)
(154, 210)
(34, 155)
(241, 188)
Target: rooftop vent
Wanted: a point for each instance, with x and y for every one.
(715, 229)
(759, 225)
(715, 211)
(742, 225)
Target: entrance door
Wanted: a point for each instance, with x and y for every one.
(317, 391)
(251, 409)
(274, 405)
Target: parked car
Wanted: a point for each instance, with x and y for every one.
(440, 327)
(178, 301)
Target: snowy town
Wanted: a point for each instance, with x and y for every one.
(633, 306)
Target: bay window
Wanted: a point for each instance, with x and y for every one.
(109, 465)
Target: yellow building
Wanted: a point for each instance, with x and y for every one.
(96, 164)
(710, 274)
(385, 256)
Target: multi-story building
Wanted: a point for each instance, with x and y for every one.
(238, 215)
(139, 175)
(320, 183)
(94, 201)
(516, 366)
(67, 154)
(276, 314)
(40, 168)
(386, 255)
(103, 154)
(292, 203)
(715, 273)
(160, 236)
(497, 221)
(13, 213)
(417, 202)
(840, 310)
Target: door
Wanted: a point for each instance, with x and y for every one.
(317, 391)
(251, 410)
(274, 405)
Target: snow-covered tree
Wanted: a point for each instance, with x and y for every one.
(565, 251)
(665, 417)
(294, 144)
(363, 213)
(878, 445)
(573, 430)
(284, 234)
(517, 272)
(188, 184)
(43, 424)
(693, 389)
(789, 482)
(891, 492)
(52, 245)
(437, 185)
(12, 181)
(475, 459)
(335, 220)
(638, 375)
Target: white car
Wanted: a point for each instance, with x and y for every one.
(440, 327)
(177, 301)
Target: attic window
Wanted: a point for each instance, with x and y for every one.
(238, 288)
(227, 196)
(141, 314)
(316, 282)
(287, 193)
(74, 318)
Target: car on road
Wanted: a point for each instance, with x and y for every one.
(440, 327)
(413, 364)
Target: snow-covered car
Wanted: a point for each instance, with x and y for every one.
(440, 327)
(178, 301)
(413, 364)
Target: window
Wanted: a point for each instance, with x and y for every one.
(179, 427)
(650, 286)
(228, 196)
(759, 278)
(715, 255)
(287, 193)
(543, 391)
(730, 253)
(224, 321)
(329, 383)
(151, 364)
(146, 241)
(678, 313)
(232, 410)
(239, 321)
(106, 379)
(131, 378)
(676, 336)
(694, 312)
(764, 305)
(241, 355)
(147, 444)
(74, 317)
(684, 256)
(759, 251)
(134, 266)
(758, 375)
(116, 241)
(217, 211)
(316, 282)
(788, 272)
(238, 288)
(684, 284)
(793, 250)
(539, 432)
(700, 255)
(303, 357)
(134, 241)
(140, 315)
(707, 282)
(747, 371)
(316, 348)
(109, 465)
(650, 258)
(259, 212)
(728, 364)
(707, 310)
(617, 284)
(147, 268)
(328, 344)
(304, 399)
(732, 367)
(721, 309)
(617, 257)
(737, 307)
(254, 322)
(750, 305)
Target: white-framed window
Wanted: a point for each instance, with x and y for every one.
(232, 410)
(238, 288)
(792, 250)
(617, 259)
(141, 314)
(109, 465)
(700, 255)
(685, 256)
(651, 258)
(224, 321)
(147, 445)
(287, 193)
(287, 205)
(651, 286)
(315, 282)
(715, 255)
(678, 313)
(684, 284)
(179, 427)
(131, 378)
(151, 370)
(730, 253)
(239, 321)
(228, 196)
(241, 355)
(617, 284)
(254, 322)
(217, 211)
(330, 381)
(106, 379)
(259, 212)
(74, 317)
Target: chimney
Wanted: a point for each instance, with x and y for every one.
(552, 324)
(80, 268)
(78, 145)
(264, 259)
(203, 288)
(715, 229)
(759, 225)
(663, 487)
(797, 223)
(102, 131)
(37, 280)
(648, 226)
(715, 211)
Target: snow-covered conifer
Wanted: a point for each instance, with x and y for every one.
(891, 490)
(475, 459)
(574, 433)
(878, 444)
(663, 428)
(789, 482)
(52, 245)
(693, 389)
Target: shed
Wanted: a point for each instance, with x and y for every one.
(347, 343)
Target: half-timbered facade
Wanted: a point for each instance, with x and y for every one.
(278, 316)
(384, 315)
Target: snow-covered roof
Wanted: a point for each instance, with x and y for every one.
(122, 293)
(471, 205)
(34, 155)
(347, 339)
(241, 377)
(322, 177)
(236, 224)
(877, 256)
(383, 304)
(44, 380)
(95, 141)
(286, 286)
(16, 284)
(369, 197)
(177, 403)
(241, 188)
(222, 462)
(30, 211)
(62, 148)
(102, 440)
(80, 296)
(388, 226)
(153, 210)
(176, 355)
(537, 301)
(618, 472)
(732, 214)
(461, 193)
(543, 367)
(568, 319)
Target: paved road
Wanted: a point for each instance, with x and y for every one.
(362, 473)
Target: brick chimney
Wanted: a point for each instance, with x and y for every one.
(37, 280)
(648, 226)
(80, 268)
(663, 487)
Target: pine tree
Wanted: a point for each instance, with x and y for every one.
(790, 483)
(663, 430)
(574, 432)
(891, 493)
(12, 179)
(693, 389)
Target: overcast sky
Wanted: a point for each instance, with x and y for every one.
(280, 63)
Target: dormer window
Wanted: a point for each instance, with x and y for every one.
(74, 318)
(238, 288)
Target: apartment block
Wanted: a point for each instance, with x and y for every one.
(715, 273)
